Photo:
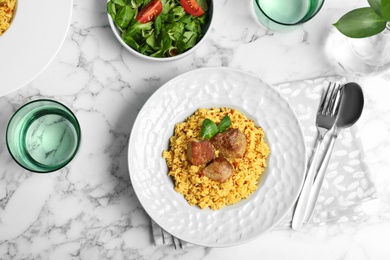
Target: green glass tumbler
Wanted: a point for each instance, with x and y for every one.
(282, 15)
(43, 136)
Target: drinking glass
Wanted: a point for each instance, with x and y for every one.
(358, 57)
(43, 136)
(282, 15)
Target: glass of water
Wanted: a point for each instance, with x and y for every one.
(43, 136)
(282, 15)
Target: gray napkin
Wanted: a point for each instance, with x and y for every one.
(347, 184)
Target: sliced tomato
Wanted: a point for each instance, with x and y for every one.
(149, 12)
(192, 7)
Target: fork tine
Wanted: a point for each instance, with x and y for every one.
(325, 99)
(336, 101)
(332, 100)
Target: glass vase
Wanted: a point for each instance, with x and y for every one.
(362, 56)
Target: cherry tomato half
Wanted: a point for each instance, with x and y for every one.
(149, 12)
(192, 7)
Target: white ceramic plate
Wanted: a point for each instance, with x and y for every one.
(178, 99)
(31, 42)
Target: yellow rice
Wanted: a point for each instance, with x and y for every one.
(7, 10)
(202, 191)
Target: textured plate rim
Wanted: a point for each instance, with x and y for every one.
(20, 72)
(159, 92)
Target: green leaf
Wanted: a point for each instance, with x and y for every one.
(157, 25)
(203, 4)
(119, 2)
(190, 39)
(151, 41)
(111, 9)
(386, 9)
(128, 39)
(224, 124)
(360, 23)
(136, 3)
(157, 54)
(178, 12)
(209, 129)
(192, 27)
(139, 28)
(376, 6)
(124, 16)
(166, 40)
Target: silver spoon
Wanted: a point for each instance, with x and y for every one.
(350, 110)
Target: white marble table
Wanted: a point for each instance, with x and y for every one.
(88, 210)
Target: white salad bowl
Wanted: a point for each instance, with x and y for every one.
(206, 31)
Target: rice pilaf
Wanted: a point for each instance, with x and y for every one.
(7, 10)
(199, 189)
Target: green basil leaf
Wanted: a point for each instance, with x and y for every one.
(360, 23)
(386, 9)
(224, 124)
(209, 129)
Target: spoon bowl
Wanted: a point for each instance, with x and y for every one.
(351, 105)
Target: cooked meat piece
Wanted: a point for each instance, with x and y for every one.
(219, 170)
(231, 143)
(200, 152)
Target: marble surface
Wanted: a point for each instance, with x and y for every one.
(88, 210)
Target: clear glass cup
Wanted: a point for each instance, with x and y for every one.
(283, 15)
(359, 57)
(43, 136)
(374, 50)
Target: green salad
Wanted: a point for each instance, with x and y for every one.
(159, 28)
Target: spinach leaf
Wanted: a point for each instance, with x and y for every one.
(111, 9)
(157, 25)
(124, 16)
(119, 2)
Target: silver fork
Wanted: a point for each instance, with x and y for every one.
(325, 120)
